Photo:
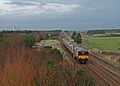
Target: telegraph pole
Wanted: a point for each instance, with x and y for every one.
(73, 51)
(87, 43)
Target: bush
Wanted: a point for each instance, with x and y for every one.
(52, 74)
(29, 41)
(2, 36)
(55, 50)
(54, 35)
(48, 74)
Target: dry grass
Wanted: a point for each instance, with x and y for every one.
(52, 43)
(17, 70)
(110, 57)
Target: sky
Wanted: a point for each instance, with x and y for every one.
(59, 14)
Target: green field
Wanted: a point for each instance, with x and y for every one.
(103, 43)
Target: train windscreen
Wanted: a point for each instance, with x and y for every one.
(86, 53)
(83, 53)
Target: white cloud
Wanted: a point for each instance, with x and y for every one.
(59, 7)
(31, 7)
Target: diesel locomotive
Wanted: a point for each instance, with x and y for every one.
(79, 53)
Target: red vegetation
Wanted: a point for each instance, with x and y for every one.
(18, 70)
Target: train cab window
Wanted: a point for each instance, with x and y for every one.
(86, 53)
(80, 53)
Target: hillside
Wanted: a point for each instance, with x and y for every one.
(22, 65)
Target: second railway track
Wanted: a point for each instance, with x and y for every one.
(107, 76)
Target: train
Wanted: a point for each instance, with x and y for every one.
(79, 53)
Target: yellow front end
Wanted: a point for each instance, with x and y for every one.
(83, 57)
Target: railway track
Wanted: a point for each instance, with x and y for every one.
(107, 65)
(102, 67)
(110, 78)
(102, 75)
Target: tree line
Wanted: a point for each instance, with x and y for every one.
(77, 37)
(91, 32)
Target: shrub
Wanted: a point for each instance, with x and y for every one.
(55, 75)
(54, 35)
(2, 36)
(29, 41)
(56, 51)
(48, 74)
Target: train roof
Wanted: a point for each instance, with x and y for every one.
(78, 48)
(68, 42)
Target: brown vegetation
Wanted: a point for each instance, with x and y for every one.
(24, 66)
(18, 70)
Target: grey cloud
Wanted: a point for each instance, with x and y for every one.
(93, 13)
(33, 7)
(21, 3)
